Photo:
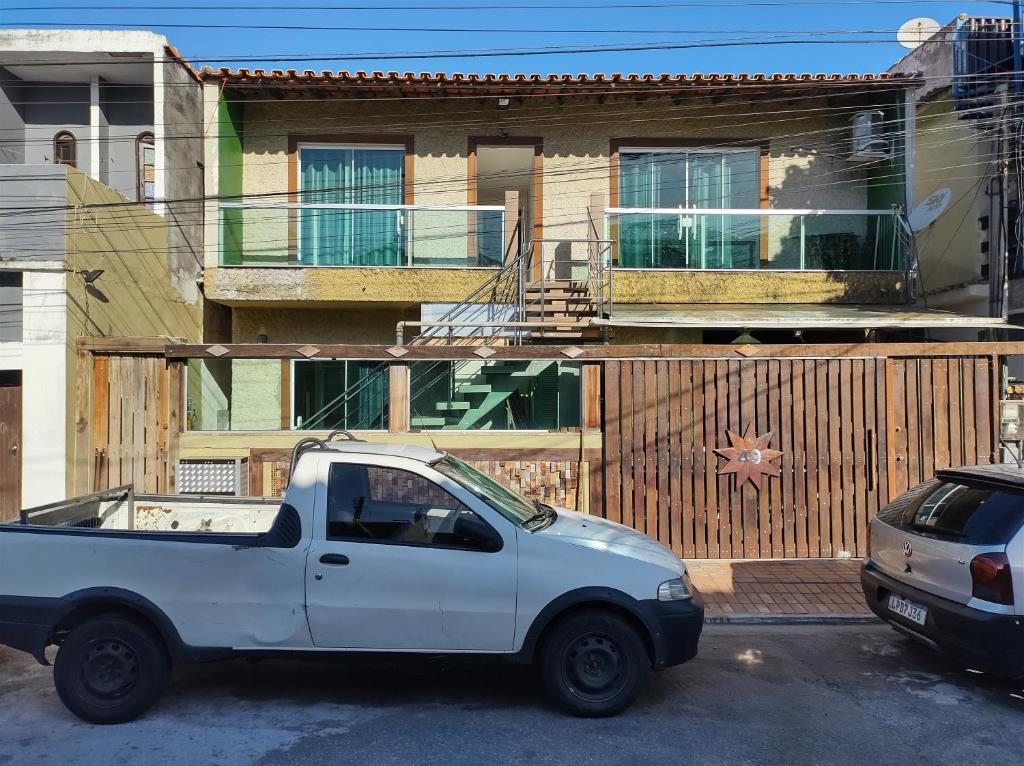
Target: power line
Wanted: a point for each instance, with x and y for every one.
(489, 7)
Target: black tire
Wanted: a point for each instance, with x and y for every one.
(110, 669)
(594, 664)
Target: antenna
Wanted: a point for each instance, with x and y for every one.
(916, 31)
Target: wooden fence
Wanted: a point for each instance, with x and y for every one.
(853, 432)
(856, 426)
(128, 421)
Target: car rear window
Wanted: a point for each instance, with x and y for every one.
(971, 515)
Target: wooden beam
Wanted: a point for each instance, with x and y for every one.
(84, 456)
(127, 345)
(597, 352)
(398, 408)
(591, 392)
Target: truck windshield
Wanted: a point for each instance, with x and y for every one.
(512, 506)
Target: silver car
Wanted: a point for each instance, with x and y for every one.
(946, 560)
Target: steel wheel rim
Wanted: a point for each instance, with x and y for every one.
(110, 669)
(595, 667)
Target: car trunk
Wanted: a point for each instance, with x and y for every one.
(928, 538)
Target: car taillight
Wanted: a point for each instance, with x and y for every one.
(992, 579)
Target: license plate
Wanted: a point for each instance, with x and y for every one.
(910, 610)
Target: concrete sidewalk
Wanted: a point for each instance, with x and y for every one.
(797, 590)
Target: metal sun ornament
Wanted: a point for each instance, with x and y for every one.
(749, 457)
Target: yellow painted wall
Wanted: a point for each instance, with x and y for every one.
(950, 153)
(636, 286)
(133, 297)
(802, 172)
(318, 325)
(408, 286)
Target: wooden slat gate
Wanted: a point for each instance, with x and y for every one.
(128, 421)
(853, 433)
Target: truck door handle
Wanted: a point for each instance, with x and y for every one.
(338, 559)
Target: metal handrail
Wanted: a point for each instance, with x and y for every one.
(357, 206)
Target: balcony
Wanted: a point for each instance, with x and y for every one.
(269, 252)
(346, 235)
(664, 255)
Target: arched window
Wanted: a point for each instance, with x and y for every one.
(145, 166)
(64, 149)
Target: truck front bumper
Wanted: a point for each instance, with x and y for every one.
(676, 628)
(979, 640)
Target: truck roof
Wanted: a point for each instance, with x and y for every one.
(411, 451)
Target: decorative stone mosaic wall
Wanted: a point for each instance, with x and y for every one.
(555, 482)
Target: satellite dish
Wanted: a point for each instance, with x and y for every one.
(930, 209)
(916, 31)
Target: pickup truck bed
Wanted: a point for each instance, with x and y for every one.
(120, 509)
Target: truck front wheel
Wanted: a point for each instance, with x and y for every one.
(594, 664)
(110, 669)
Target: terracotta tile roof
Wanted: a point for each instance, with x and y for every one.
(172, 53)
(532, 82)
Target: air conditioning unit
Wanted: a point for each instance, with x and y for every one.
(869, 142)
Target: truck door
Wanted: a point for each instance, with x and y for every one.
(400, 563)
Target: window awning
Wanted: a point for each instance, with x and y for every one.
(795, 316)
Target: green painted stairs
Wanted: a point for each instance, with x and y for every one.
(477, 401)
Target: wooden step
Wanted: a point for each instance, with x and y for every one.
(455, 406)
(427, 421)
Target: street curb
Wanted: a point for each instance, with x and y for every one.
(791, 619)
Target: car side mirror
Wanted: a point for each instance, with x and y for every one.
(476, 534)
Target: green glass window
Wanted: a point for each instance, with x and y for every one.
(329, 394)
(678, 178)
(255, 395)
(497, 396)
(368, 175)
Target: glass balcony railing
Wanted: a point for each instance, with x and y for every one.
(300, 234)
(787, 240)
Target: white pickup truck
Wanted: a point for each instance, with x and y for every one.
(376, 548)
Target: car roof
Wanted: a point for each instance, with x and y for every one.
(1007, 476)
(411, 451)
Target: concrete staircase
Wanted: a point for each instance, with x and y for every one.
(477, 399)
(563, 300)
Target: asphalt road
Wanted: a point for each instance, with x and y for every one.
(757, 694)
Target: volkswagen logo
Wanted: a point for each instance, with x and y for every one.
(908, 549)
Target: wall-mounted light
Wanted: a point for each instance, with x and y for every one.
(745, 337)
(90, 275)
(504, 102)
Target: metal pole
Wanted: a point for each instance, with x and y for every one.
(1016, 34)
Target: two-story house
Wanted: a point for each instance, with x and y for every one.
(376, 208)
(100, 226)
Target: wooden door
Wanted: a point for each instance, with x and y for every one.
(10, 445)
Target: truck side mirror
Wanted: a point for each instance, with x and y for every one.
(476, 534)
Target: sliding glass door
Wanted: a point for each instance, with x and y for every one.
(688, 179)
(355, 175)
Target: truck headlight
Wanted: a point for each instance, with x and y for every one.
(678, 589)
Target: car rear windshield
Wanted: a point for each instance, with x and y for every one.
(971, 515)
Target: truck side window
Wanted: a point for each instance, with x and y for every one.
(376, 503)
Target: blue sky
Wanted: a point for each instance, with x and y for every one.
(864, 31)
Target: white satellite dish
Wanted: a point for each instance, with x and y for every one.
(930, 209)
(916, 31)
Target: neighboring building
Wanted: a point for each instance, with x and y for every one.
(100, 225)
(959, 145)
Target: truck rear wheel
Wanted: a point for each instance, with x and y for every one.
(594, 664)
(110, 669)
